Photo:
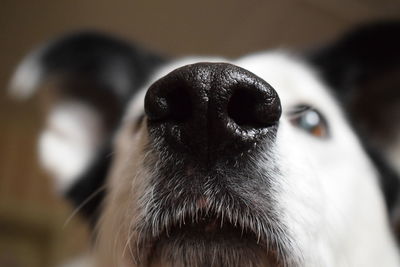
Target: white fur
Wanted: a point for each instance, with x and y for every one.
(70, 141)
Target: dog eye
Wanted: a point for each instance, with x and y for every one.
(310, 120)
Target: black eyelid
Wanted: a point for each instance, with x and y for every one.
(140, 118)
(299, 110)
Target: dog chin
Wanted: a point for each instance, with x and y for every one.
(210, 244)
(210, 241)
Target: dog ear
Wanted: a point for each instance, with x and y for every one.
(86, 80)
(363, 69)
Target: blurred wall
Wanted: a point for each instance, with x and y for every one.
(32, 231)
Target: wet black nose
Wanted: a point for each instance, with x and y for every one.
(212, 109)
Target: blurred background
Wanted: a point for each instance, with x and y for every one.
(32, 216)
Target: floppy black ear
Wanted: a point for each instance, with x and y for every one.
(89, 78)
(363, 69)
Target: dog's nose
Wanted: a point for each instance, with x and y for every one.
(212, 109)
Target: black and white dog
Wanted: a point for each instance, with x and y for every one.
(272, 159)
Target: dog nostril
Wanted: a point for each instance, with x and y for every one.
(169, 104)
(241, 108)
(247, 108)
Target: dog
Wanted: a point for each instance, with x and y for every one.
(277, 158)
